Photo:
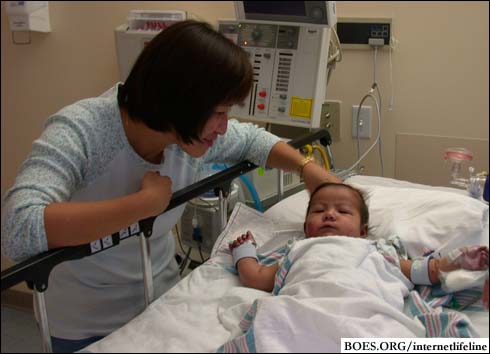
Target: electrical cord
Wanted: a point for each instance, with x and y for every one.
(184, 262)
(187, 257)
(178, 239)
(379, 142)
(379, 128)
(202, 257)
(337, 56)
(355, 165)
(334, 58)
(208, 203)
(393, 44)
(326, 163)
(309, 149)
(187, 254)
(376, 86)
(378, 112)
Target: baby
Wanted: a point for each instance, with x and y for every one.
(337, 209)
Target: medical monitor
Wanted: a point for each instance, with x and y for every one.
(304, 12)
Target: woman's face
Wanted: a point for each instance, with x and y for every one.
(216, 125)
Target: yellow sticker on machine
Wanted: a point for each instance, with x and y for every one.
(301, 107)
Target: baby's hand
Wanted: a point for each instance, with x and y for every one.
(241, 240)
(469, 258)
(475, 258)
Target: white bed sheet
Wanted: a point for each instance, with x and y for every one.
(200, 313)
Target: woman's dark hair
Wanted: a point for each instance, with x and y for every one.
(363, 207)
(182, 75)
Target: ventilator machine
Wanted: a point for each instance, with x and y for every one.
(288, 46)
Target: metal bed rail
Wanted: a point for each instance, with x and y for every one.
(36, 270)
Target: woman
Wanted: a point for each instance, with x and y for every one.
(102, 164)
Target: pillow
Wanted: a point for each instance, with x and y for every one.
(424, 217)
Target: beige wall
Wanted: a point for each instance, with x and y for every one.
(440, 76)
(440, 82)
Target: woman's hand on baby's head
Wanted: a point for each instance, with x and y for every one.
(241, 240)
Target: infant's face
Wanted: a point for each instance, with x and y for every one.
(334, 211)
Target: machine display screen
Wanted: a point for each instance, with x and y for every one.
(291, 8)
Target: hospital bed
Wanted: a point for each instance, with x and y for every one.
(207, 308)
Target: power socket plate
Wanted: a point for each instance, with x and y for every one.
(330, 118)
(364, 122)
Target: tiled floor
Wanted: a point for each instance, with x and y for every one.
(19, 332)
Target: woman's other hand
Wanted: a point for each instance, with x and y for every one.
(157, 191)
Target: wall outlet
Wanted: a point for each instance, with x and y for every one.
(330, 118)
(364, 122)
(355, 33)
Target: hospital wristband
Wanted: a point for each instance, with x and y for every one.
(419, 271)
(245, 250)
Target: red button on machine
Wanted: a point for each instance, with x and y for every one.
(261, 106)
(262, 93)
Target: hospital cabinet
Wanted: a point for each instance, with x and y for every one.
(141, 27)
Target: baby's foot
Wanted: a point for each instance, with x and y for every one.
(242, 239)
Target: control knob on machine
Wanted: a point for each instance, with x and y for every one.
(317, 13)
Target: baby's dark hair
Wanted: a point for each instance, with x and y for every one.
(363, 207)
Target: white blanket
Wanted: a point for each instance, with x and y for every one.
(336, 287)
